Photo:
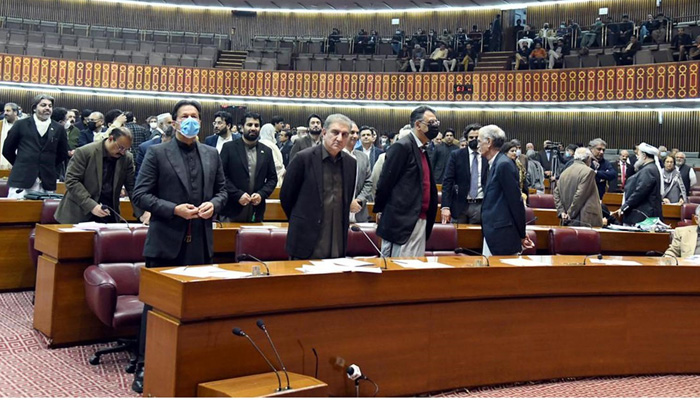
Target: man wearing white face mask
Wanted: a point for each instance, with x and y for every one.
(182, 184)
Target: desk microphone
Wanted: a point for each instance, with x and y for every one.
(462, 250)
(239, 332)
(249, 257)
(531, 221)
(356, 228)
(598, 256)
(354, 373)
(117, 214)
(261, 325)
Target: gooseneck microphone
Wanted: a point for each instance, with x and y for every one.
(253, 258)
(356, 228)
(239, 332)
(117, 214)
(463, 250)
(262, 327)
(355, 374)
(531, 221)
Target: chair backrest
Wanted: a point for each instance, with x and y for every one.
(4, 188)
(542, 201)
(126, 276)
(359, 246)
(569, 241)
(267, 244)
(687, 213)
(48, 209)
(533, 237)
(530, 216)
(694, 199)
(443, 239)
(120, 245)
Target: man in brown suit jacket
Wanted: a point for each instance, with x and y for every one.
(94, 180)
(685, 240)
(576, 195)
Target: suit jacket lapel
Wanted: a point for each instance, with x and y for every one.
(206, 171)
(240, 149)
(262, 153)
(349, 184)
(97, 156)
(417, 155)
(317, 167)
(51, 132)
(175, 160)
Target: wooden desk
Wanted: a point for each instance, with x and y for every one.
(417, 331)
(4, 173)
(61, 314)
(17, 219)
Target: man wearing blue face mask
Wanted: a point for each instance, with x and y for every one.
(182, 184)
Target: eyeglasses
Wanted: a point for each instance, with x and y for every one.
(121, 149)
(601, 149)
(432, 122)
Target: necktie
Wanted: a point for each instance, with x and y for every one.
(624, 167)
(474, 184)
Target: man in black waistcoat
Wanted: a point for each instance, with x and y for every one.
(35, 147)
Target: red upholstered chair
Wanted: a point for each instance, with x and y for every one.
(112, 285)
(694, 199)
(267, 244)
(531, 252)
(542, 201)
(48, 209)
(569, 241)
(4, 188)
(359, 246)
(530, 216)
(442, 241)
(687, 213)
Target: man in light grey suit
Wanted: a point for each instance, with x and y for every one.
(94, 179)
(576, 195)
(363, 181)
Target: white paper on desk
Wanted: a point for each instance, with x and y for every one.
(207, 272)
(98, 226)
(73, 230)
(418, 264)
(366, 224)
(613, 262)
(344, 262)
(322, 267)
(524, 262)
(615, 227)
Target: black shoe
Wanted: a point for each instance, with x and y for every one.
(137, 385)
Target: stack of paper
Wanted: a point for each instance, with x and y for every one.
(526, 262)
(418, 264)
(211, 271)
(336, 265)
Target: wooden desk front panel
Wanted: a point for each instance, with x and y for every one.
(630, 326)
(16, 269)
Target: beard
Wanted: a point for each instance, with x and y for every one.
(251, 136)
(640, 162)
(315, 132)
(222, 132)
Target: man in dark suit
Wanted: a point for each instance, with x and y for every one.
(317, 192)
(311, 140)
(503, 213)
(182, 185)
(139, 133)
(250, 173)
(643, 190)
(93, 128)
(406, 198)
(465, 181)
(604, 171)
(624, 168)
(223, 123)
(94, 180)
(626, 55)
(687, 172)
(165, 134)
(367, 145)
(545, 158)
(35, 147)
(285, 146)
(439, 155)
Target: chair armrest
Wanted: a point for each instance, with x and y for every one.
(100, 293)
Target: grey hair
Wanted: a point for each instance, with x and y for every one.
(582, 154)
(38, 98)
(161, 118)
(340, 118)
(496, 134)
(597, 142)
(13, 106)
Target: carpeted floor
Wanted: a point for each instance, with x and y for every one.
(29, 369)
